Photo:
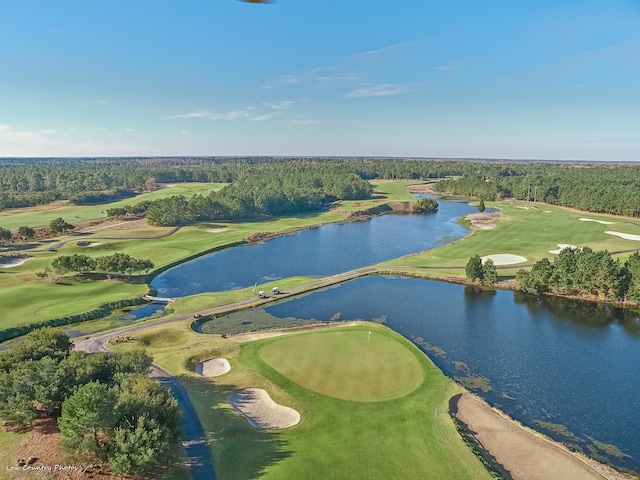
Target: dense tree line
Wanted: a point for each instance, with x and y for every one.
(596, 188)
(107, 408)
(587, 186)
(118, 263)
(28, 182)
(262, 191)
(578, 271)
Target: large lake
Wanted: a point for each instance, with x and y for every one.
(323, 251)
(551, 364)
(569, 369)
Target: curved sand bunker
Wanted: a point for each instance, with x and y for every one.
(597, 221)
(626, 236)
(213, 367)
(8, 262)
(216, 229)
(482, 221)
(524, 453)
(503, 258)
(261, 411)
(562, 246)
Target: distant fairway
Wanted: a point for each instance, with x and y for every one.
(346, 364)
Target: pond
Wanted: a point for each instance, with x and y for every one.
(323, 251)
(567, 368)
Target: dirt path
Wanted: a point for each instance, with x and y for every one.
(526, 454)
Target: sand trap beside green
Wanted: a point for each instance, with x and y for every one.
(349, 365)
(504, 258)
(603, 222)
(261, 411)
(562, 246)
(626, 236)
(213, 367)
(8, 262)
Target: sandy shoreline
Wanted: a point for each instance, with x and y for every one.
(523, 452)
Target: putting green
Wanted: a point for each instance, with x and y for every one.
(349, 365)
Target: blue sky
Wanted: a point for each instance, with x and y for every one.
(500, 79)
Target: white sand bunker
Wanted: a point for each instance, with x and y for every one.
(8, 262)
(597, 221)
(216, 229)
(626, 236)
(482, 221)
(504, 258)
(262, 412)
(562, 246)
(213, 367)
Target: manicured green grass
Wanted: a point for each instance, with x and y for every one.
(350, 365)
(26, 299)
(41, 215)
(530, 233)
(410, 436)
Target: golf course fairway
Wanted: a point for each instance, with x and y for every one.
(373, 406)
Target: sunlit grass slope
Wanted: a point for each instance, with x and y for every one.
(27, 299)
(410, 436)
(350, 365)
(41, 215)
(529, 231)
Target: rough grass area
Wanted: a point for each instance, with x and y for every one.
(351, 365)
(410, 437)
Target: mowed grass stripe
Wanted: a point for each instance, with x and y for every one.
(410, 437)
(349, 365)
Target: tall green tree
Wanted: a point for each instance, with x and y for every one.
(489, 271)
(59, 225)
(26, 233)
(473, 269)
(5, 235)
(88, 417)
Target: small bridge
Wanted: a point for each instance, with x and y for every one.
(151, 299)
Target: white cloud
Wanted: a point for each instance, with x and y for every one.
(383, 89)
(261, 118)
(447, 67)
(388, 48)
(129, 130)
(184, 132)
(319, 76)
(196, 114)
(232, 115)
(305, 121)
(22, 142)
(102, 101)
(279, 105)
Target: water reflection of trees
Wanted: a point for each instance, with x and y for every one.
(588, 314)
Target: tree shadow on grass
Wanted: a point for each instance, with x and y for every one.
(238, 450)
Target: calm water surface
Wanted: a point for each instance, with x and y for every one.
(562, 362)
(323, 251)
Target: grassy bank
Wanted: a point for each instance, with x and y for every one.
(529, 231)
(374, 419)
(27, 299)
